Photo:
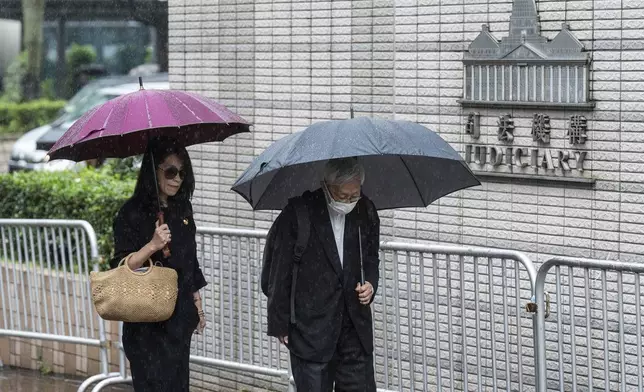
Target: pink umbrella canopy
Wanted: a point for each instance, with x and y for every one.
(123, 126)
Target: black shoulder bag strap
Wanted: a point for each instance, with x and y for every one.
(302, 241)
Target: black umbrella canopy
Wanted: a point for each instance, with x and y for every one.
(406, 164)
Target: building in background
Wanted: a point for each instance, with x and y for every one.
(119, 45)
(561, 166)
(9, 44)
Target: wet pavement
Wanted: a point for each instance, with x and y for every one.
(15, 380)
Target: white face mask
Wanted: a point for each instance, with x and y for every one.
(337, 206)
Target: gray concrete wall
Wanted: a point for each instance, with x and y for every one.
(286, 64)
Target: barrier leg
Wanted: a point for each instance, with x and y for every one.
(291, 385)
(111, 381)
(94, 379)
(291, 380)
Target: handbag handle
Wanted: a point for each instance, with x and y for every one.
(127, 258)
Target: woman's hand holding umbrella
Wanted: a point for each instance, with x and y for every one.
(161, 238)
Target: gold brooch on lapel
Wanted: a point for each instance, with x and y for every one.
(185, 221)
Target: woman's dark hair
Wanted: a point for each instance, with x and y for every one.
(145, 192)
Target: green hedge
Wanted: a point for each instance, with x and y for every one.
(91, 195)
(23, 117)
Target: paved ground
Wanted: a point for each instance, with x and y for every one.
(32, 381)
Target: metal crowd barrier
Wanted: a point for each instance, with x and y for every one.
(445, 317)
(44, 283)
(231, 262)
(430, 297)
(593, 337)
(453, 318)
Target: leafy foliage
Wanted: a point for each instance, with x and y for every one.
(13, 79)
(123, 168)
(79, 55)
(128, 57)
(76, 57)
(23, 117)
(91, 195)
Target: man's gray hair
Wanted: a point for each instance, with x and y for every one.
(343, 170)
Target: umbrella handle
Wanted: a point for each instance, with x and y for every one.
(166, 249)
(361, 258)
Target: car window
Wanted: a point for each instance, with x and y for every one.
(95, 94)
(73, 104)
(89, 103)
(86, 92)
(81, 96)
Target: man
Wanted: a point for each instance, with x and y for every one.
(330, 337)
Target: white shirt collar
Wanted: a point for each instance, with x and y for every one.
(337, 224)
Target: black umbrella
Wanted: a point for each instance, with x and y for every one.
(406, 164)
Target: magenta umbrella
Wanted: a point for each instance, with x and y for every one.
(123, 126)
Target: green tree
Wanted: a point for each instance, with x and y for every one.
(128, 57)
(33, 12)
(76, 57)
(79, 55)
(14, 77)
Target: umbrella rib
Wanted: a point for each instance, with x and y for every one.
(147, 111)
(422, 199)
(186, 107)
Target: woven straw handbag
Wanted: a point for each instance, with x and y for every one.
(121, 294)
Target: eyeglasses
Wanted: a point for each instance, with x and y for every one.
(171, 172)
(348, 200)
(344, 198)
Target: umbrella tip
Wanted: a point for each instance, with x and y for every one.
(141, 82)
(351, 107)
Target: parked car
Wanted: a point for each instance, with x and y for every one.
(144, 70)
(28, 152)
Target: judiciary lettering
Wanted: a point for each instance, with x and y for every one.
(539, 159)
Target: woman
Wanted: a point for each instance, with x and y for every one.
(159, 352)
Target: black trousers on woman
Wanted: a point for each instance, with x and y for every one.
(159, 353)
